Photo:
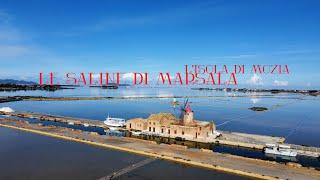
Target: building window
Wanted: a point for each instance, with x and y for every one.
(175, 131)
(154, 129)
(168, 131)
(182, 132)
(161, 130)
(200, 128)
(154, 123)
(130, 125)
(207, 134)
(150, 123)
(150, 129)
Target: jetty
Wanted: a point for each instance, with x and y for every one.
(253, 141)
(56, 118)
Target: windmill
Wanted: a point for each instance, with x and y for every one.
(186, 115)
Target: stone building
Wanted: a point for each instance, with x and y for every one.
(138, 124)
(167, 125)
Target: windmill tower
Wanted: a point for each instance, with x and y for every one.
(186, 114)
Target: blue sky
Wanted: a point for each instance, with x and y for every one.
(75, 36)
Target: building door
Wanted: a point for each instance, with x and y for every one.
(196, 135)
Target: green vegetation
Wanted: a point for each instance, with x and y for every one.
(258, 108)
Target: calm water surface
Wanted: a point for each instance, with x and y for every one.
(29, 156)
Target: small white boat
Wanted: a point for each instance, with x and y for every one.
(86, 125)
(279, 149)
(71, 123)
(114, 123)
(274, 156)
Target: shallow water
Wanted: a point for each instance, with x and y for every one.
(29, 156)
(160, 170)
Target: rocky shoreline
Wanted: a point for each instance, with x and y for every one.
(32, 87)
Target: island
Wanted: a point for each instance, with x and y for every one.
(258, 108)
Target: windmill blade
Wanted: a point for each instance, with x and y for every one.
(185, 104)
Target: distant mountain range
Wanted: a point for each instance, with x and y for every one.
(18, 82)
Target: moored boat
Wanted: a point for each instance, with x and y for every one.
(279, 149)
(86, 125)
(114, 123)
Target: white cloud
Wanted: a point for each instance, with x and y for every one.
(280, 83)
(255, 80)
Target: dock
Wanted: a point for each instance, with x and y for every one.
(306, 150)
(56, 118)
(253, 141)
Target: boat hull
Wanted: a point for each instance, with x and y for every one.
(281, 153)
